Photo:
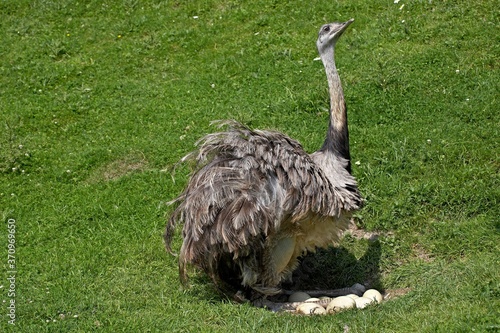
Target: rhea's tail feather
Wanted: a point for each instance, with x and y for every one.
(168, 235)
(183, 263)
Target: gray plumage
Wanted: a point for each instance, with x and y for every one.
(257, 201)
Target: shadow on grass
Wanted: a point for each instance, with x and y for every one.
(204, 290)
(330, 268)
(338, 268)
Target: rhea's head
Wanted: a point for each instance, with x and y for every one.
(330, 33)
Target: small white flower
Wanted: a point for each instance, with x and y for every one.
(195, 17)
(396, 1)
(457, 71)
(358, 163)
(402, 6)
(429, 141)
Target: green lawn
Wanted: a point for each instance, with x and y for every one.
(100, 99)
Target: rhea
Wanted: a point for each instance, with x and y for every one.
(257, 201)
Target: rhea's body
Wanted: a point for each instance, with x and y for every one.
(258, 201)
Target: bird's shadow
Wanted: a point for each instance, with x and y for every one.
(326, 269)
(336, 267)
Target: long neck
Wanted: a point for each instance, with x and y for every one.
(337, 137)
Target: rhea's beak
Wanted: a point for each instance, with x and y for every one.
(344, 26)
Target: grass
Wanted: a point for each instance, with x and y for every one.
(97, 98)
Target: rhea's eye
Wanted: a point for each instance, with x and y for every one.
(326, 29)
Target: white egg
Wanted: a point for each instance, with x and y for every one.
(340, 303)
(298, 296)
(312, 299)
(363, 302)
(310, 309)
(373, 294)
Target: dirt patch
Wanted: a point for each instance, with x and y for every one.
(421, 253)
(358, 233)
(395, 293)
(119, 168)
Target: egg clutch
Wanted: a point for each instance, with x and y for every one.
(328, 305)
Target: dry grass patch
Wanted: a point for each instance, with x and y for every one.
(114, 170)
